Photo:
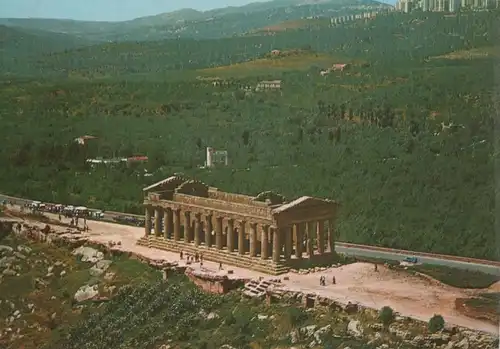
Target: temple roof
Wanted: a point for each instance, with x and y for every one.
(159, 184)
(303, 202)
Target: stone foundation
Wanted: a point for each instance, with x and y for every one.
(214, 255)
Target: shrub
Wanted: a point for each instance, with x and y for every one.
(295, 316)
(436, 323)
(230, 319)
(386, 315)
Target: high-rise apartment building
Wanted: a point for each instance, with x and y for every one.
(407, 6)
(454, 5)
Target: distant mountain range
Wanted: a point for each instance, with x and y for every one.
(191, 23)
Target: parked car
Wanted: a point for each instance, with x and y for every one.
(97, 214)
(412, 260)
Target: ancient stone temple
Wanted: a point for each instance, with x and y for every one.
(264, 233)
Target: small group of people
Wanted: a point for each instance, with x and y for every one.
(74, 222)
(322, 280)
(198, 257)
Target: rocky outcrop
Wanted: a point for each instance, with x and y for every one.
(86, 292)
(451, 337)
(88, 254)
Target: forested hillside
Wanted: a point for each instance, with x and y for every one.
(189, 23)
(403, 139)
(409, 39)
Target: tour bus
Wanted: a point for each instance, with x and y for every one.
(37, 205)
(81, 211)
(68, 211)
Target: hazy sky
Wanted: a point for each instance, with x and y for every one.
(104, 10)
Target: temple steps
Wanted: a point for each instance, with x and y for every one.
(256, 288)
(214, 255)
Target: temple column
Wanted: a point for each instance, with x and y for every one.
(168, 223)
(320, 233)
(241, 238)
(165, 227)
(177, 224)
(298, 240)
(331, 235)
(253, 239)
(197, 229)
(187, 227)
(147, 221)
(230, 235)
(157, 221)
(264, 242)
(276, 245)
(287, 241)
(208, 230)
(218, 233)
(309, 237)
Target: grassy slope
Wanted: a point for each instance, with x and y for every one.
(143, 312)
(274, 65)
(475, 53)
(459, 278)
(51, 295)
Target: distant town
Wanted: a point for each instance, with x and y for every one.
(445, 5)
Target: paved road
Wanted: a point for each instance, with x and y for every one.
(362, 252)
(108, 216)
(353, 251)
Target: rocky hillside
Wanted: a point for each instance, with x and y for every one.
(63, 296)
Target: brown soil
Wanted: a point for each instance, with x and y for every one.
(486, 312)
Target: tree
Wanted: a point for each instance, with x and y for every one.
(245, 137)
(386, 315)
(436, 323)
(300, 135)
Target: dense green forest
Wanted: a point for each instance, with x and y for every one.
(403, 139)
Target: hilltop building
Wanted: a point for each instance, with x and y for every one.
(340, 67)
(216, 157)
(268, 85)
(84, 139)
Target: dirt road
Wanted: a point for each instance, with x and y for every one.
(408, 295)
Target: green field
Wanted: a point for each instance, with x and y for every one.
(275, 65)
